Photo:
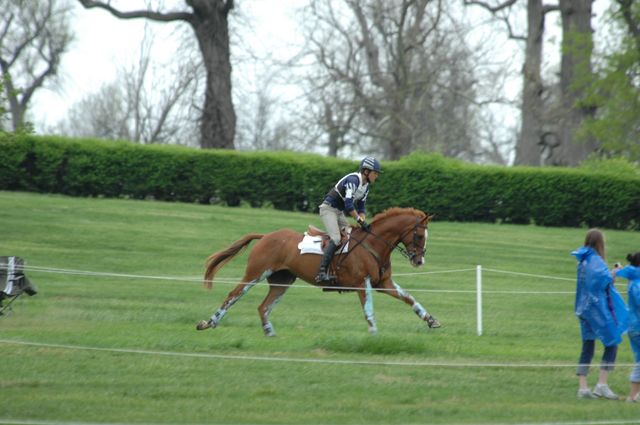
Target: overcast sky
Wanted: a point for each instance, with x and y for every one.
(104, 44)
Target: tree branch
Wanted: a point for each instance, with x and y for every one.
(497, 8)
(512, 34)
(147, 14)
(487, 6)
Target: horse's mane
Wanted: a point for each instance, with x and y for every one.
(392, 212)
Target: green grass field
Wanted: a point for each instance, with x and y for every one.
(124, 349)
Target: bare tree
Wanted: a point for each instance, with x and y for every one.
(550, 117)
(209, 21)
(334, 110)
(532, 139)
(136, 107)
(394, 74)
(33, 37)
(261, 122)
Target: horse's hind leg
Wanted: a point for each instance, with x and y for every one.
(279, 283)
(396, 291)
(233, 297)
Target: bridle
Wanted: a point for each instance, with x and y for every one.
(413, 252)
(410, 254)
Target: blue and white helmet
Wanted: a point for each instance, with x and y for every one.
(370, 163)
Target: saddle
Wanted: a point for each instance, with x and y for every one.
(345, 234)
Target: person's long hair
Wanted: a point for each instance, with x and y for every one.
(595, 240)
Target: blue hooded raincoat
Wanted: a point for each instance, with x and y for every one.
(632, 273)
(599, 306)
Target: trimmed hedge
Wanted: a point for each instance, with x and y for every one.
(453, 190)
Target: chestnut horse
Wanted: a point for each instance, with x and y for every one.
(364, 268)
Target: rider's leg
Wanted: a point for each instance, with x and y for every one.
(332, 218)
(327, 255)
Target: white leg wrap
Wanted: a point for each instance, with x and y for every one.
(268, 329)
(218, 315)
(420, 311)
(403, 294)
(368, 307)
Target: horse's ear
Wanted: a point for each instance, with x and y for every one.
(429, 218)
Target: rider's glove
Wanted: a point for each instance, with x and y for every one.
(363, 224)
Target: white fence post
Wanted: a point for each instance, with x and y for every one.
(479, 298)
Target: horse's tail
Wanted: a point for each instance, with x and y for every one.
(220, 258)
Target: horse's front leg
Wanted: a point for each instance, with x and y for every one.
(366, 299)
(393, 289)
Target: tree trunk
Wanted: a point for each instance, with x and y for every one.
(528, 148)
(399, 142)
(218, 121)
(17, 108)
(575, 75)
(210, 23)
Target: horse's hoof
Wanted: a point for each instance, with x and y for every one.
(433, 322)
(203, 324)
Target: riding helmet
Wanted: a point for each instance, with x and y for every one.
(370, 163)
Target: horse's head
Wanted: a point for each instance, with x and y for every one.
(415, 238)
(410, 227)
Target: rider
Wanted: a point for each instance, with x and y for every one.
(347, 197)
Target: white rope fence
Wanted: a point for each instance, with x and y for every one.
(478, 291)
(39, 269)
(347, 362)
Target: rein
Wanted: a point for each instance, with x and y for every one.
(392, 247)
(403, 251)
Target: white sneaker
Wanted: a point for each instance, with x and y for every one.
(603, 391)
(586, 394)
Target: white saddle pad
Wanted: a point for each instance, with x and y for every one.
(313, 245)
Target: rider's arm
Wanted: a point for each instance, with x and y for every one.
(351, 207)
(350, 186)
(361, 207)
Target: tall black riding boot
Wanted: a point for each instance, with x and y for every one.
(327, 255)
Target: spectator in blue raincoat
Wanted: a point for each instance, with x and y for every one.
(632, 274)
(601, 312)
